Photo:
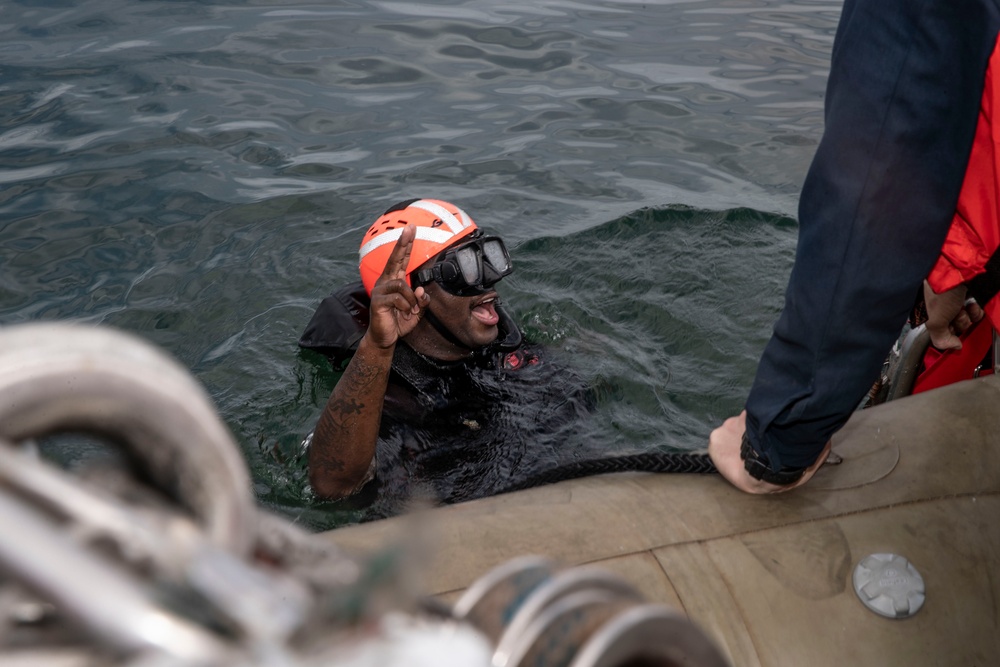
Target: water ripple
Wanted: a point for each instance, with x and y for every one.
(200, 173)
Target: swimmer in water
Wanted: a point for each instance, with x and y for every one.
(428, 392)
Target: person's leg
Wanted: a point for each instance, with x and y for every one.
(901, 108)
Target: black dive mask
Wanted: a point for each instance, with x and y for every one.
(469, 269)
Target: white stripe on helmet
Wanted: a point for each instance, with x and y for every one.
(439, 236)
(390, 236)
(466, 220)
(447, 217)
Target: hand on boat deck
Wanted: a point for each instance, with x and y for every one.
(724, 448)
(948, 316)
(395, 307)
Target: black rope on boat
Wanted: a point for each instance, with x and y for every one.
(671, 462)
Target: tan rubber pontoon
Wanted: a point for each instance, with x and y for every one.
(770, 578)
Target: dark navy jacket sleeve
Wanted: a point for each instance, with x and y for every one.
(901, 107)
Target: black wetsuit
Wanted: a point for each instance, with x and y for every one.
(454, 431)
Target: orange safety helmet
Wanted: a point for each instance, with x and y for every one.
(439, 225)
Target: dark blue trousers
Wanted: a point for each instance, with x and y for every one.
(902, 102)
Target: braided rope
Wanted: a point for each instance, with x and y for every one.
(669, 462)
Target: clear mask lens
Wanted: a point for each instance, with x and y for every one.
(471, 268)
(469, 265)
(495, 253)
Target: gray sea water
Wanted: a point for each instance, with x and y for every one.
(200, 174)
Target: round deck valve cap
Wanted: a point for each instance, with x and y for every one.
(889, 585)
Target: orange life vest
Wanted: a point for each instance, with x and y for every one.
(974, 235)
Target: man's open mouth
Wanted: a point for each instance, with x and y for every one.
(485, 310)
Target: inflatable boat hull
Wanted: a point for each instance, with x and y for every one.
(770, 578)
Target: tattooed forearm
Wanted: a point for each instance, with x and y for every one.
(329, 462)
(340, 412)
(344, 441)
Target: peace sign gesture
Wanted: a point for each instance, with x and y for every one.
(396, 309)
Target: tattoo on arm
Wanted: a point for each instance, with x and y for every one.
(348, 427)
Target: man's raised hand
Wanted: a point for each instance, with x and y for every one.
(395, 307)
